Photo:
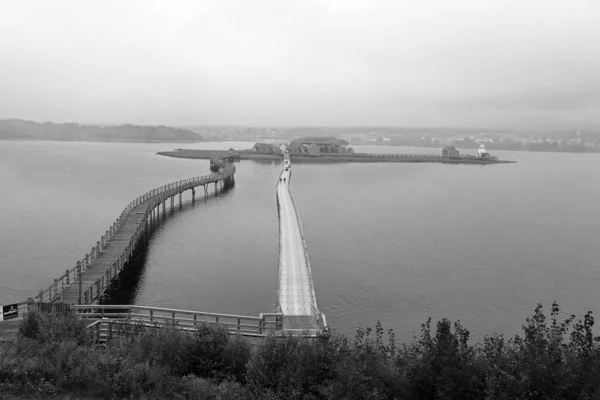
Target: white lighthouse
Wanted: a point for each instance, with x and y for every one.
(481, 153)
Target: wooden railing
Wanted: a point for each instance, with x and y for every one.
(313, 301)
(181, 319)
(153, 198)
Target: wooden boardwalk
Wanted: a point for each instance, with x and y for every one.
(296, 300)
(81, 288)
(92, 276)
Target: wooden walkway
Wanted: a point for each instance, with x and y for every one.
(80, 288)
(296, 300)
(92, 276)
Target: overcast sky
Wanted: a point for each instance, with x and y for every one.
(464, 63)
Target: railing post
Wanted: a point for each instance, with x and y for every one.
(78, 267)
(151, 315)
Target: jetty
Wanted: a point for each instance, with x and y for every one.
(297, 301)
(80, 289)
(94, 273)
(87, 281)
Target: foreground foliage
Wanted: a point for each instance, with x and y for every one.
(552, 360)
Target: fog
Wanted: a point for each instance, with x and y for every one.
(507, 64)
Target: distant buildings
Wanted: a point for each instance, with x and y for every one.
(319, 145)
(450, 152)
(265, 148)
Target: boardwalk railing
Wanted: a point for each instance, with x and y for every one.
(313, 296)
(111, 315)
(153, 198)
(319, 318)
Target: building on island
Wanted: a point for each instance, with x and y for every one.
(319, 145)
(265, 148)
(481, 152)
(450, 152)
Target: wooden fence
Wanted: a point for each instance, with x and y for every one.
(49, 308)
(182, 319)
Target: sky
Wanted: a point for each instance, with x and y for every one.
(462, 63)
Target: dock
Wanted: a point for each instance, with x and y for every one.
(86, 282)
(80, 289)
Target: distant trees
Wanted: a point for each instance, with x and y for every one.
(20, 129)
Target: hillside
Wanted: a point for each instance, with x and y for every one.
(20, 129)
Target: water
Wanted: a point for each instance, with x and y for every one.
(390, 242)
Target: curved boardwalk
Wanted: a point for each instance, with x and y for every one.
(81, 287)
(297, 301)
(91, 277)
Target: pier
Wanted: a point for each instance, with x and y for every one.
(86, 282)
(296, 298)
(81, 287)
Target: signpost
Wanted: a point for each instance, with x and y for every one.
(9, 312)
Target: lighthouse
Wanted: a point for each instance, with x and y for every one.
(481, 153)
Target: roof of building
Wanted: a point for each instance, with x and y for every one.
(263, 146)
(321, 140)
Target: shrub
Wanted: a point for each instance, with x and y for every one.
(364, 368)
(202, 389)
(543, 363)
(53, 327)
(441, 367)
(552, 359)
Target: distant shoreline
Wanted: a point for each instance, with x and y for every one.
(211, 140)
(99, 140)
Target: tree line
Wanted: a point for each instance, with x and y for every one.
(21, 129)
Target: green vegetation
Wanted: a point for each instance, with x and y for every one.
(19, 129)
(553, 359)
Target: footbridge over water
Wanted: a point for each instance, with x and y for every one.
(297, 300)
(81, 287)
(86, 282)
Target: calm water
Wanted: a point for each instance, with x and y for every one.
(390, 242)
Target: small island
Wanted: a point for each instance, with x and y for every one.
(332, 150)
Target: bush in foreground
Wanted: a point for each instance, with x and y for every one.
(552, 360)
